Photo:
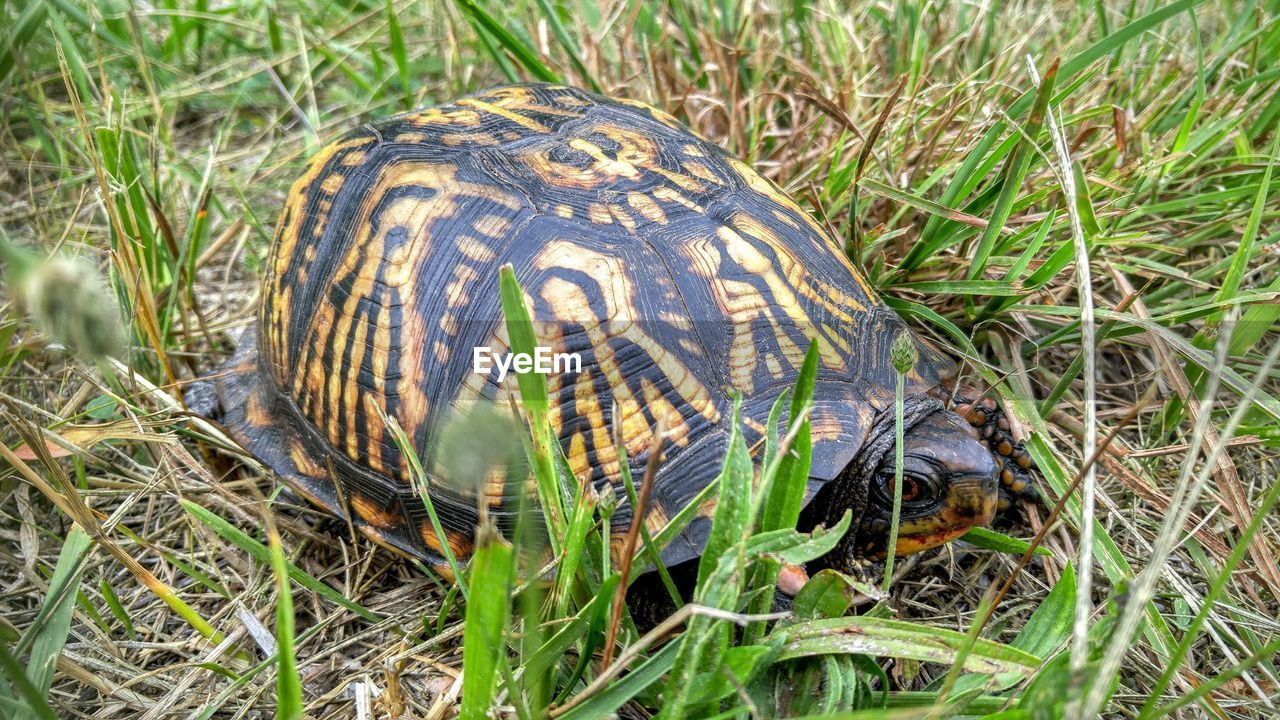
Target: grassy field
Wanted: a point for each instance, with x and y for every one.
(984, 162)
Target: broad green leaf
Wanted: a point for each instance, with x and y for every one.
(739, 667)
(484, 639)
(828, 594)
(998, 541)
(1050, 625)
(784, 496)
(732, 518)
(533, 397)
(603, 703)
(896, 638)
(48, 634)
(523, 54)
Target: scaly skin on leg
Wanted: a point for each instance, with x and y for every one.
(993, 427)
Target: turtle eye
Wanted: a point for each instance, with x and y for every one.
(910, 488)
(916, 490)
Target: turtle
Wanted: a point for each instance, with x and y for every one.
(677, 275)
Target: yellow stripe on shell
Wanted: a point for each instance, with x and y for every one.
(400, 267)
(362, 260)
(350, 378)
(445, 117)
(655, 521)
(684, 182)
(623, 217)
(647, 208)
(795, 276)
(579, 462)
(587, 404)
(569, 303)
(698, 170)
(332, 184)
(599, 214)
(669, 194)
(370, 512)
(274, 311)
(604, 164)
(522, 120)
(661, 410)
(759, 184)
(470, 138)
(459, 544)
(474, 250)
(302, 459)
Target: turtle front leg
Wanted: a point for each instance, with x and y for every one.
(864, 570)
(992, 425)
(851, 558)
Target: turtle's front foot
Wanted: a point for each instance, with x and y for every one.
(1013, 461)
(861, 569)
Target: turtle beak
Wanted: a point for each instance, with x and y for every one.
(971, 501)
(960, 491)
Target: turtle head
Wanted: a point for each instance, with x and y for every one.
(949, 484)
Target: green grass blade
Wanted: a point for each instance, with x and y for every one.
(117, 608)
(785, 494)
(1244, 251)
(1208, 603)
(423, 483)
(706, 639)
(1049, 626)
(1015, 173)
(533, 397)
(897, 638)
(630, 685)
(967, 176)
(488, 613)
(47, 637)
(288, 684)
(998, 541)
(262, 554)
(1202, 690)
(525, 55)
(567, 43)
(649, 545)
(732, 519)
(590, 618)
(33, 702)
(994, 288)
(569, 568)
(784, 481)
(22, 30)
(828, 594)
(399, 54)
(922, 204)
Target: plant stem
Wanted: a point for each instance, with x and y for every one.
(899, 398)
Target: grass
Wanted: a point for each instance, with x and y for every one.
(980, 161)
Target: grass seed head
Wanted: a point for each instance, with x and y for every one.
(903, 354)
(68, 301)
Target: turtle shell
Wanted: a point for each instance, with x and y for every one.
(677, 273)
